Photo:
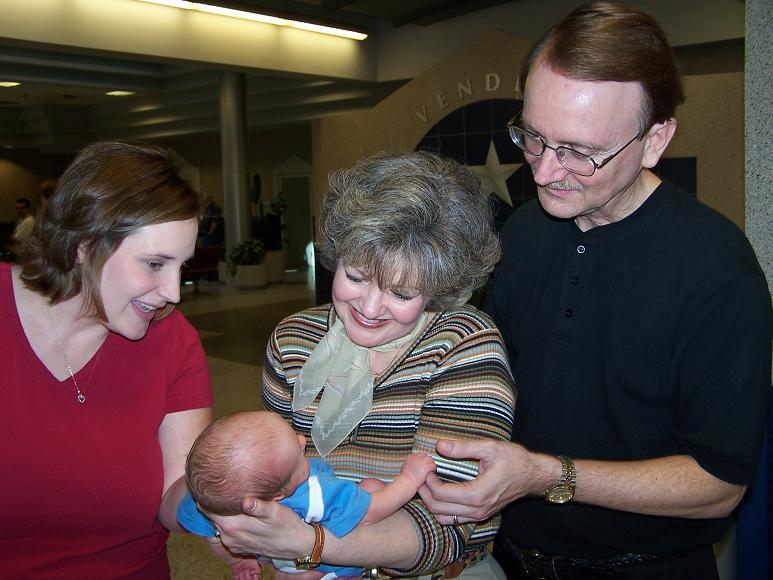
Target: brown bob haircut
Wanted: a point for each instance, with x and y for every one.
(604, 41)
(109, 191)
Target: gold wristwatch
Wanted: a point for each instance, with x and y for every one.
(314, 559)
(563, 491)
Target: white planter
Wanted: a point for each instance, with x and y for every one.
(275, 265)
(251, 276)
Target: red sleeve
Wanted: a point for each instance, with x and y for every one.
(189, 382)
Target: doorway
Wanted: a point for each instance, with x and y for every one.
(298, 227)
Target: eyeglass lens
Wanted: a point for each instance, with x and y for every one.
(572, 160)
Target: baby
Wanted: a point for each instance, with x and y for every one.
(257, 454)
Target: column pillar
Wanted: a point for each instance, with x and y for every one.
(754, 522)
(758, 79)
(233, 145)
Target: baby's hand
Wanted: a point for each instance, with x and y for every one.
(246, 569)
(417, 467)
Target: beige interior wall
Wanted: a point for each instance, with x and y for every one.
(203, 152)
(484, 70)
(271, 147)
(710, 122)
(710, 127)
(267, 149)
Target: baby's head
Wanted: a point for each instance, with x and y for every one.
(249, 454)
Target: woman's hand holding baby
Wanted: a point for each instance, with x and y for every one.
(267, 528)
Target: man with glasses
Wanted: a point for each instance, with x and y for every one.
(25, 221)
(638, 326)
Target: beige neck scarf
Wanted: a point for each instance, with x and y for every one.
(342, 368)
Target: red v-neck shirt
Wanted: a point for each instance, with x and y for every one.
(81, 483)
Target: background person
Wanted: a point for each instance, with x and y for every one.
(257, 454)
(212, 227)
(103, 396)
(396, 362)
(46, 190)
(25, 223)
(637, 322)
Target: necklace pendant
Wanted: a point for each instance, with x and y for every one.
(81, 398)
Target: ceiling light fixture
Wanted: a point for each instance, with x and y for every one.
(9, 84)
(264, 18)
(120, 93)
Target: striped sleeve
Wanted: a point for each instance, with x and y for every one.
(471, 396)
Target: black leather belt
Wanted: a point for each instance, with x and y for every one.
(535, 561)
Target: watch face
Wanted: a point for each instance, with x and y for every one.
(560, 494)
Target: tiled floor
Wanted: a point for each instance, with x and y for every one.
(234, 325)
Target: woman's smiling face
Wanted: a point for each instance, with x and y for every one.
(143, 275)
(370, 315)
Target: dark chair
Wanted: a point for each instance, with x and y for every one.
(203, 263)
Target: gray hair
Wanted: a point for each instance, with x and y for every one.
(411, 220)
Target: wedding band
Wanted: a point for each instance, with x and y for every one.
(456, 520)
(217, 533)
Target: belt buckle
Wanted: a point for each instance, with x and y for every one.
(452, 570)
(624, 560)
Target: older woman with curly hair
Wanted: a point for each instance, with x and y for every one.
(396, 362)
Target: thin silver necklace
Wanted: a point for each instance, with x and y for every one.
(79, 395)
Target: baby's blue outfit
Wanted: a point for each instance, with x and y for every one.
(337, 504)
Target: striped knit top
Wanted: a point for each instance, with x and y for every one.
(453, 382)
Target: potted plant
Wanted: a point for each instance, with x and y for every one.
(246, 264)
(267, 228)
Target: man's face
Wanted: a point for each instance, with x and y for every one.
(595, 118)
(22, 209)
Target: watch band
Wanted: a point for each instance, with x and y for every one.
(314, 559)
(563, 491)
(568, 471)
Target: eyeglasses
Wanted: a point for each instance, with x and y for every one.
(18, 207)
(570, 159)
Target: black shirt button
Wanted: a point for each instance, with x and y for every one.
(575, 280)
(580, 249)
(568, 312)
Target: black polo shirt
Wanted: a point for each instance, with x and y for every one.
(643, 338)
